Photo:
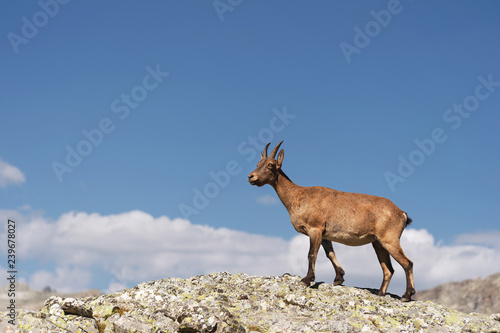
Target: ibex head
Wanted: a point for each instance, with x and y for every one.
(268, 168)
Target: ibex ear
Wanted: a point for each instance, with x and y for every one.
(279, 161)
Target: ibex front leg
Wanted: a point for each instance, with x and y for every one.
(314, 244)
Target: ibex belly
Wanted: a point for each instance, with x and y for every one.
(330, 231)
(349, 230)
(349, 238)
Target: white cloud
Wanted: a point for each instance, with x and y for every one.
(490, 238)
(268, 200)
(443, 263)
(114, 287)
(134, 246)
(25, 208)
(10, 175)
(64, 279)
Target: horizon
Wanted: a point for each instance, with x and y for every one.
(129, 131)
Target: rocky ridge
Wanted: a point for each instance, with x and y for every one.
(224, 302)
(30, 299)
(477, 295)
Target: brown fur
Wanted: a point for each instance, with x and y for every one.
(327, 215)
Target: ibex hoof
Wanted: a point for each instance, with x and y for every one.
(407, 295)
(406, 298)
(306, 282)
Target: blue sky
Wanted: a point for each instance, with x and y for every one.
(165, 100)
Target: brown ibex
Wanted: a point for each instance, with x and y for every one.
(327, 215)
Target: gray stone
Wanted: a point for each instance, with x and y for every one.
(224, 302)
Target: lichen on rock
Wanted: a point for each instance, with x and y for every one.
(224, 302)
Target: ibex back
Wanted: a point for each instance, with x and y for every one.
(327, 215)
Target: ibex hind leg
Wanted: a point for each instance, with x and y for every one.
(395, 250)
(339, 271)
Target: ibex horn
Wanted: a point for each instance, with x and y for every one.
(264, 153)
(275, 150)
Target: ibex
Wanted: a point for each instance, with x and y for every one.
(327, 215)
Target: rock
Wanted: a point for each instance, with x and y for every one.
(224, 302)
(478, 295)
